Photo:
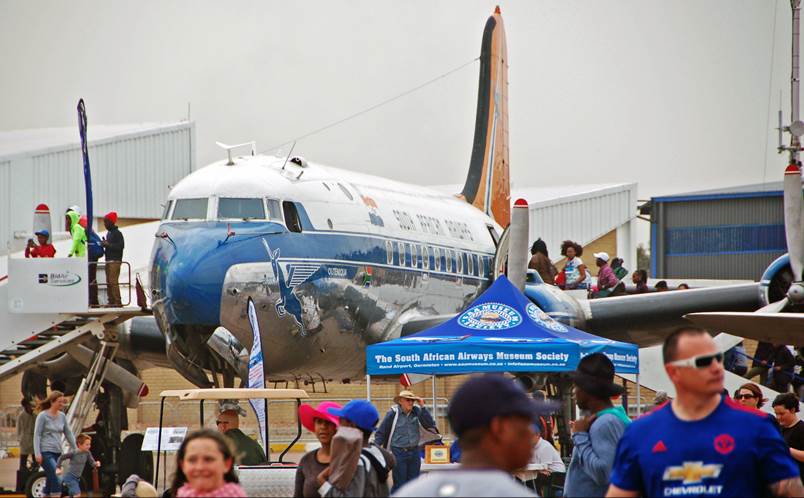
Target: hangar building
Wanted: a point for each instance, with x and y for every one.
(730, 233)
(133, 168)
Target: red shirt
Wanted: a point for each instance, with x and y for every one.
(45, 251)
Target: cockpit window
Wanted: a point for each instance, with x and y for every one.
(190, 209)
(238, 208)
(291, 217)
(166, 212)
(274, 211)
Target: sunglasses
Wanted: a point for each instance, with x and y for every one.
(700, 361)
(221, 422)
(744, 396)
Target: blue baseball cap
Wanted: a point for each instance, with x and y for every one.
(359, 412)
(43, 232)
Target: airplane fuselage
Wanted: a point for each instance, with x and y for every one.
(336, 260)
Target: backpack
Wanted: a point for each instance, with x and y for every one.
(382, 469)
(94, 247)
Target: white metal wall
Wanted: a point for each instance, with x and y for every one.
(582, 218)
(131, 174)
(5, 204)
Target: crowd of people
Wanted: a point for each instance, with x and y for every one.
(612, 276)
(704, 441)
(88, 244)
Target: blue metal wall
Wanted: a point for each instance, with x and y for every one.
(716, 237)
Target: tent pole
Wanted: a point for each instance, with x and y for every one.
(639, 398)
(434, 396)
(368, 387)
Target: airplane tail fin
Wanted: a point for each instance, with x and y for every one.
(487, 183)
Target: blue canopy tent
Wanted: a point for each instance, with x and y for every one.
(501, 331)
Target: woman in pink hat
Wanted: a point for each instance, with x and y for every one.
(321, 423)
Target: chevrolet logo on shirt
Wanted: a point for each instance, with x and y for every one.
(692, 472)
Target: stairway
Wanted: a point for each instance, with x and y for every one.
(52, 342)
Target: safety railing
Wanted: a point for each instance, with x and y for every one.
(281, 416)
(100, 290)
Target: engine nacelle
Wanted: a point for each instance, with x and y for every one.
(776, 280)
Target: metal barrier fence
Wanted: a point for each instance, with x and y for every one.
(281, 416)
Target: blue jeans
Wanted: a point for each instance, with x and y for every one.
(72, 483)
(407, 468)
(53, 484)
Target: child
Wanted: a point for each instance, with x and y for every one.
(205, 467)
(78, 459)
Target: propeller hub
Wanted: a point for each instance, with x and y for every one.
(796, 292)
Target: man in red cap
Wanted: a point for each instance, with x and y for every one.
(113, 243)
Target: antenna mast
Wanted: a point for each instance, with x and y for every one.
(796, 127)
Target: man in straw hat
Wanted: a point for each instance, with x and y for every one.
(400, 431)
(595, 436)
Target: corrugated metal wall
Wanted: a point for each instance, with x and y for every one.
(5, 203)
(581, 220)
(732, 238)
(131, 174)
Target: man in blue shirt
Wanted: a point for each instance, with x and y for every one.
(400, 432)
(702, 443)
(595, 436)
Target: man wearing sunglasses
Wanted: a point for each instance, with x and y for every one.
(702, 443)
(248, 451)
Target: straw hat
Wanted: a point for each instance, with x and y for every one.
(406, 395)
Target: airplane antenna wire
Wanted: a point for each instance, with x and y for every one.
(373, 107)
(289, 153)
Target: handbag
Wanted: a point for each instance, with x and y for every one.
(561, 278)
(428, 435)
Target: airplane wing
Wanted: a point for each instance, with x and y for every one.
(776, 328)
(645, 319)
(413, 325)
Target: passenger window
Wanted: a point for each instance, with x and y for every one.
(291, 217)
(167, 210)
(425, 258)
(437, 258)
(470, 264)
(459, 268)
(389, 252)
(448, 255)
(190, 209)
(236, 208)
(274, 211)
(414, 256)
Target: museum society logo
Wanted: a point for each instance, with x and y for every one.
(490, 316)
(59, 279)
(543, 319)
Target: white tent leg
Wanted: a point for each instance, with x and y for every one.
(368, 387)
(639, 398)
(434, 396)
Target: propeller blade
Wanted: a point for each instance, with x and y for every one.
(776, 307)
(794, 219)
(776, 328)
(518, 250)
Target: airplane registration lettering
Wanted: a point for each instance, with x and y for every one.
(336, 272)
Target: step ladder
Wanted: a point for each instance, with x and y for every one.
(54, 341)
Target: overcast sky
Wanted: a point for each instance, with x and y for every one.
(674, 95)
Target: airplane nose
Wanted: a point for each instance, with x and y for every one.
(186, 275)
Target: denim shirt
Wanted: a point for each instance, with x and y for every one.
(406, 433)
(593, 456)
